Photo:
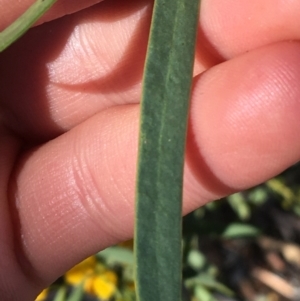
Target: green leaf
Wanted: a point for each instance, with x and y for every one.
(164, 112)
(23, 23)
(61, 294)
(258, 195)
(207, 281)
(116, 254)
(196, 259)
(239, 204)
(77, 292)
(237, 230)
(203, 294)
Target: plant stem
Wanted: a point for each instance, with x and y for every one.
(24, 22)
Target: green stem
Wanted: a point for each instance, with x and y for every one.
(24, 22)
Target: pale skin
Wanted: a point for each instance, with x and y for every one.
(69, 98)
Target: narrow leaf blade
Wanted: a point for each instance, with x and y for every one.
(164, 112)
(23, 23)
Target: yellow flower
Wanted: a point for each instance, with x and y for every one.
(104, 285)
(42, 296)
(98, 281)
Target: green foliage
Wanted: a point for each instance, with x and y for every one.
(240, 205)
(237, 230)
(117, 255)
(77, 293)
(208, 282)
(61, 294)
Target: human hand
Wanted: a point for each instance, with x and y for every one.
(69, 96)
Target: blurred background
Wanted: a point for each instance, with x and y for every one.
(243, 247)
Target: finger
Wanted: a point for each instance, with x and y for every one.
(77, 191)
(229, 28)
(10, 11)
(76, 57)
(12, 280)
(244, 119)
(97, 54)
